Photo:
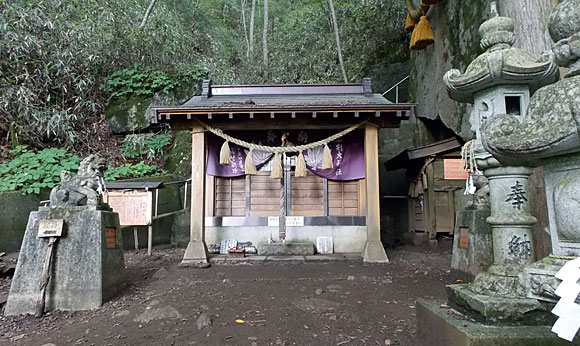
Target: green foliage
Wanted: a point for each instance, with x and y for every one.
(301, 40)
(54, 55)
(30, 172)
(61, 60)
(149, 146)
(130, 170)
(145, 80)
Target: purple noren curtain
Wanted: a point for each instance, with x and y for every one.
(347, 153)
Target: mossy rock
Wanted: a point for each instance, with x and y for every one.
(133, 113)
(127, 114)
(179, 156)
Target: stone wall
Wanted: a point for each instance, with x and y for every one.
(346, 238)
(14, 211)
(455, 25)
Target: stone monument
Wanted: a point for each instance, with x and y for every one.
(500, 81)
(76, 262)
(550, 136)
(511, 140)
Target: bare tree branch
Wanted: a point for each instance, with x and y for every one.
(193, 16)
(147, 13)
(243, 11)
(265, 35)
(252, 17)
(335, 24)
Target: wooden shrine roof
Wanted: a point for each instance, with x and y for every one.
(244, 102)
(403, 159)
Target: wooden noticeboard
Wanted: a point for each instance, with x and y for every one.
(134, 207)
(453, 170)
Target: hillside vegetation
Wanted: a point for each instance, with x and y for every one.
(60, 61)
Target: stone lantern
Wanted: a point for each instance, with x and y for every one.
(500, 81)
(550, 136)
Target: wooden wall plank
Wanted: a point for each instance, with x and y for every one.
(372, 184)
(307, 207)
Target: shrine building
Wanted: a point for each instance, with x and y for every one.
(314, 162)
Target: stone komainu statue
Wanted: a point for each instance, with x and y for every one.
(86, 188)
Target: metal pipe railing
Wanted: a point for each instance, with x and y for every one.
(396, 87)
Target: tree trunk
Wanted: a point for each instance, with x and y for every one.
(531, 20)
(252, 17)
(193, 15)
(147, 13)
(265, 35)
(335, 24)
(243, 11)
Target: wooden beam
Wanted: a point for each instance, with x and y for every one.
(374, 251)
(196, 252)
(209, 195)
(197, 184)
(301, 122)
(372, 183)
(431, 222)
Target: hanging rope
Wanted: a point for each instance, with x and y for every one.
(468, 157)
(279, 150)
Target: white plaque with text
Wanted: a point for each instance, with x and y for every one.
(291, 221)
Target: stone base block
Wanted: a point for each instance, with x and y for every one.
(196, 255)
(420, 238)
(497, 309)
(88, 265)
(286, 249)
(375, 253)
(438, 324)
(433, 244)
(541, 281)
(476, 254)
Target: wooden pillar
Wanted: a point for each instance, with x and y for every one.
(374, 251)
(196, 252)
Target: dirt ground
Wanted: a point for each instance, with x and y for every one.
(254, 303)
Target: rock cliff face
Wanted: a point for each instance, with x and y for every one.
(455, 24)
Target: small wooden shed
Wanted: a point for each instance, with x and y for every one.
(435, 172)
(342, 202)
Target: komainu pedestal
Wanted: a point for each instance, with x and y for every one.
(88, 266)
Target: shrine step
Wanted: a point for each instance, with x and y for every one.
(286, 249)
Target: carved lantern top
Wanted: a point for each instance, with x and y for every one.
(500, 64)
(553, 124)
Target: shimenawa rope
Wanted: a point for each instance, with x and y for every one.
(276, 172)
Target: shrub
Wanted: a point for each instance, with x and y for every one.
(30, 172)
(130, 170)
(149, 146)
